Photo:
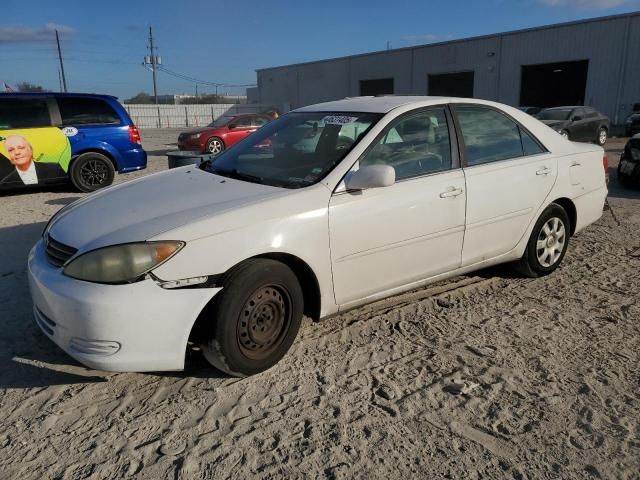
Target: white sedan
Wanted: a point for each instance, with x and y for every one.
(329, 207)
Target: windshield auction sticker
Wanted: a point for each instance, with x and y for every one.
(339, 119)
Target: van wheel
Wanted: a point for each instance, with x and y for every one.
(547, 244)
(255, 318)
(91, 171)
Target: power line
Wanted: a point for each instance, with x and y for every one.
(189, 78)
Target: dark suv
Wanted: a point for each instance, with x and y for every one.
(582, 124)
(632, 124)
(55, 137)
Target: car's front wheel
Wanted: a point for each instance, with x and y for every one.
(602, 136)
(215, 145)
(91, 171)
(547, 244)
(255, 318)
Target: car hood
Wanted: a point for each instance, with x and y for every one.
(141, 209)
(193, 131)
(554, 123)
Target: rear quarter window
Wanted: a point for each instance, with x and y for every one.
(87, 111)
(24, 113)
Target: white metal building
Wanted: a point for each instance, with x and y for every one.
(591, 62)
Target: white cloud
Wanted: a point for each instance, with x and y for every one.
(12, 34)
(587, 4)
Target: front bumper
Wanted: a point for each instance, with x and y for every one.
(136, 327)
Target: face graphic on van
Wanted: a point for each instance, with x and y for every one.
(48, 148)
(19, 150)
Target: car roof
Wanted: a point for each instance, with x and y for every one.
(55, 94)
(386, 103)
(566, 107)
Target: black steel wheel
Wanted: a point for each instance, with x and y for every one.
(91, 171)
(255, 318)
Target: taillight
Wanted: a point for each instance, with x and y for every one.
(134, 135)
(605, 163)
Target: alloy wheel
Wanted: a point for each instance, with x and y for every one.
(94, 173)
(550, 243)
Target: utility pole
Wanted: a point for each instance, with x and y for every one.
(64, 79)
(154, 60)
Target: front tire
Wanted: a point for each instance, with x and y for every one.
(255, 318)
(91, 171)
(215, 145)
(547, 244)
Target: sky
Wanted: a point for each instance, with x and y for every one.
(224, 42)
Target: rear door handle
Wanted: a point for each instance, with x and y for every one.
(544, 171)
(452, 192)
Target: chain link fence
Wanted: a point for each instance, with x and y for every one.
(168, 116)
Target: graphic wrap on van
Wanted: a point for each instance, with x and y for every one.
(33, 156)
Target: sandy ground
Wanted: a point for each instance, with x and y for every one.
(483, 376)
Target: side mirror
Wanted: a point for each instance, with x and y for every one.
(371, 176)
(231, 126)
(577, 118)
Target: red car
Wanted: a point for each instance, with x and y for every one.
(222, 133)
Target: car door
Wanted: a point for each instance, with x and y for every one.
(384, 238)
(580, 127)
(32, 151)
(509, 174)
(242, 127)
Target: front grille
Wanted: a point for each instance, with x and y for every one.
(58, 253)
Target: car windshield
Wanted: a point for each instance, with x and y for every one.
(555, 114)
(220, 121)
(294, 151)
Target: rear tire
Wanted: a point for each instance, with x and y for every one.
(547, 244)
(91, 171)
(255, 318)
(629, 180)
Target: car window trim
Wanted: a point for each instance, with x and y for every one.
(461, 144)
(453, 144)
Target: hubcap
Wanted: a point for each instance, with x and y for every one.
(564, 134)
(215, 146)
(551, 242)
(264, 321)
(94, 172)
(603, 136)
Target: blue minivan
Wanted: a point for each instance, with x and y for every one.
(48, 138)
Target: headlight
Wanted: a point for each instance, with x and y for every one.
(121, 263)
(635, 154)
(195, 136)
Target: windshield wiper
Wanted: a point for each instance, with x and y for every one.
(234, 173)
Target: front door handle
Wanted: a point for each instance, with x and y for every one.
(452, 192)
(544, 171)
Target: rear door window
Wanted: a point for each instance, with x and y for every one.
(87, 111)
(24, 113)
(490, 136)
